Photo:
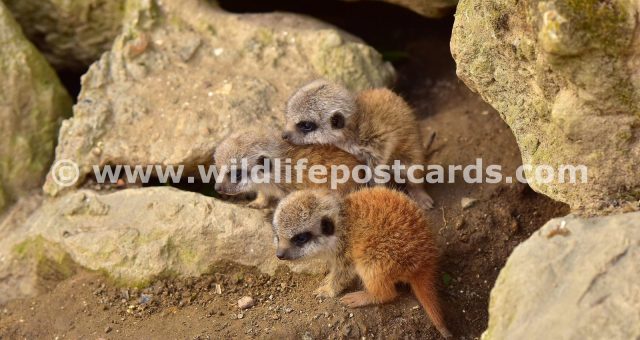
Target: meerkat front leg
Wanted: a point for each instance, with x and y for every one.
(418, 194)
(339, 277)
(416, 190)
(261, 201)
(378, 289)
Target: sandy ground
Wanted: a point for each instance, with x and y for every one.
(475, 241)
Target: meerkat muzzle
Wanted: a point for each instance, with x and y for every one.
(281, 254)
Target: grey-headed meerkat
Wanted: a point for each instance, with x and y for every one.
(377, 234)
(376, 125)
(258, 146)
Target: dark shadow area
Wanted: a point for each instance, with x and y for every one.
(71, 81)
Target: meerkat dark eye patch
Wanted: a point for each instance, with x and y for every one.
(306, 126)
(337, 120)
(237, 175)
(327, 226)
(302, 238)
(262, 160)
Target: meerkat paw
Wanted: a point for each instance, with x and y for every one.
(421, 197)
(426, 202)
(258, 204)
(325, 291)
(357, 299)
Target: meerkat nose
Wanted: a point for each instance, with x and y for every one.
(280, 254)
(285, 135)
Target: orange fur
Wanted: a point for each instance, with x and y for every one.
(387, 130)
(387, 125)
(376, 125)
(253, 144)
(325, 155)
(389, 241)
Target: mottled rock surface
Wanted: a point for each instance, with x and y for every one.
(71, 34)
(573, 279)
(133, 235)
(184, 74)
(32, 104)
(565, 76)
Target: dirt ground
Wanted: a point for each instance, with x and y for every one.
(475, 241)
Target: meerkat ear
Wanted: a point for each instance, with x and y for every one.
(327, 226)
(337, 120)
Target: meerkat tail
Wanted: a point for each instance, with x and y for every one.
(428, 297)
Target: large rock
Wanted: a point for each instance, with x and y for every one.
(16, 270)
(132, 235)
(573, 279)
(184, 74)
(32, 104)
(71, 34)
(565, 76)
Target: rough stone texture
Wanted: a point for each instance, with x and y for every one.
(32, 104)
(27, 268)
(71, 34)
(427, 8)
(573, 279)
(565, 76)
(185, 74)
(133, 235)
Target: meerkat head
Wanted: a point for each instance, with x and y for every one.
(318, 113)
(255, 146)
(307, 223)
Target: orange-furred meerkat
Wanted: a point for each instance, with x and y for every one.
(377, 234)
(260, 145)
(376, 125)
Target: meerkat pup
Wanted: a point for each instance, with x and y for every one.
(259, 146)
(376, 234)
(376, 125)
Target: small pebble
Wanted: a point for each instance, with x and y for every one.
(144, 299)
(246, 302)
(467, 202)
(107, 329)
(120, 184)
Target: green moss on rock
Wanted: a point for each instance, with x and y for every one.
(51, 262)
(32, 105)
(561, 73)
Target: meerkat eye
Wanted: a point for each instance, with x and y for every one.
(327, 226)
(306, 126)
(337, 120)
(237, 175)
(302, 238)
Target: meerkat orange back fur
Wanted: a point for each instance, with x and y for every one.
(376, 234)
